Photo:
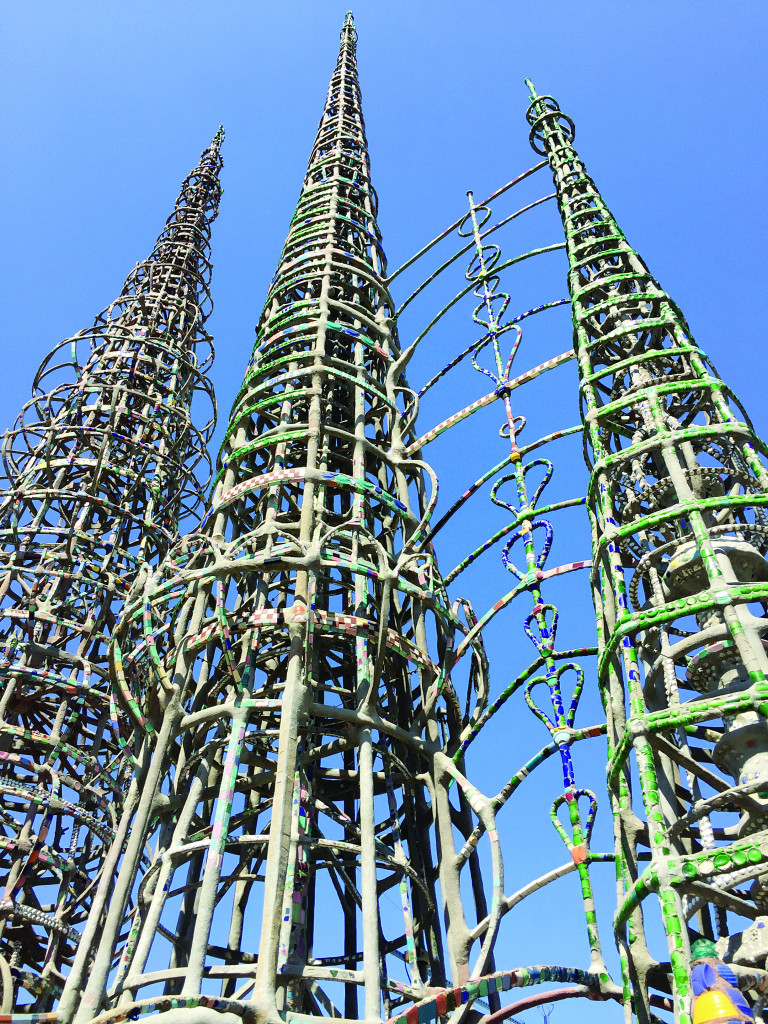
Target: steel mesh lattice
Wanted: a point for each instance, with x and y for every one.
(295, 644)
(100, 468)
(678, 495)
(299, 839)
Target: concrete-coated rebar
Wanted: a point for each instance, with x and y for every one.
(100, 469)
(264, 793)
(287, 667)
(678, 494)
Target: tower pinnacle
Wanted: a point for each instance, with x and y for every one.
(100, 470)
(679, 495)
(283, 665)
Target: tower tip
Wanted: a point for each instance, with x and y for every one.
(211, 155)
(349, 26)
(531, 88)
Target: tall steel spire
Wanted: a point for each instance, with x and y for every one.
(678, 493)
(100, 468)
(284, 665)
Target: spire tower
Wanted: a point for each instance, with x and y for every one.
(284, 666)
(100, 468)
(678, 492)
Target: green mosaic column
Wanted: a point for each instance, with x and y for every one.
(677, 493)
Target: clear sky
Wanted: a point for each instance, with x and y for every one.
(107, 106)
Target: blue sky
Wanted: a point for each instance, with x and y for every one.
(107, 106)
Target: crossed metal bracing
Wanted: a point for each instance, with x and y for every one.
(678, 494)
(100, 468)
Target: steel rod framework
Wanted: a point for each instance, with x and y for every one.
(287, 665)
(259, 810)
(678, 495)
(100, 470)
